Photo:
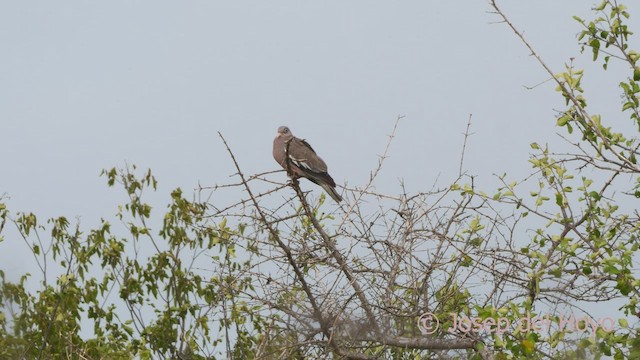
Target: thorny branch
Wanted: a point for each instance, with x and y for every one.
(331, 303)
(274, 235)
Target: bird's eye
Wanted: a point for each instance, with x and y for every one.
(285, 130)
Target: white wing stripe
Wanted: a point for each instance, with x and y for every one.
(301, 163)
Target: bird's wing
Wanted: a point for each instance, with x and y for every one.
(302, 155)
(310, 165)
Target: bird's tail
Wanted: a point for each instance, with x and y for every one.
(331, 191)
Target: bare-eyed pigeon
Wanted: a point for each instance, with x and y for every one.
(303, 161)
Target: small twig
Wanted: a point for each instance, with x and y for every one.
(373, 175)
(538, 84)
(464, 145)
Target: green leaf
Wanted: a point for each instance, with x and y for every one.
(595, 45)
(557, 272)
(563, 120)
(611, 269)
(528, 346)
(628, 105)
(623, 323)
(559, 199)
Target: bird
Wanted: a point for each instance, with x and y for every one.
(302, 161)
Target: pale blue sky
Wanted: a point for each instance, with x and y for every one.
(89, 85)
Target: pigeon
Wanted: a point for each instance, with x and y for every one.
(302, 161)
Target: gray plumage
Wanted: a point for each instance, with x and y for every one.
(303, 161)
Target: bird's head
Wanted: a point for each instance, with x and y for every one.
(284, 132)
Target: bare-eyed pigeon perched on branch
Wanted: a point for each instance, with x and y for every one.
(302, 161)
